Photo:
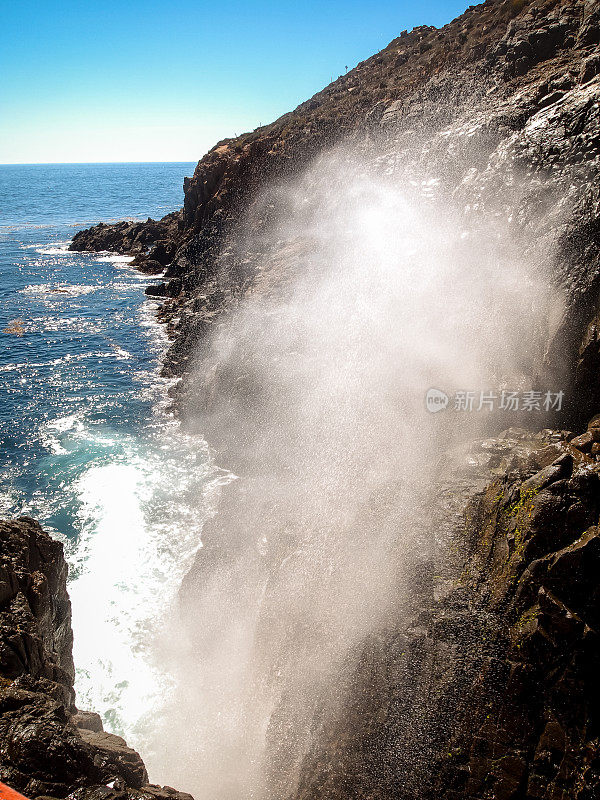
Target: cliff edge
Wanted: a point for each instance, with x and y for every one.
(500, 104)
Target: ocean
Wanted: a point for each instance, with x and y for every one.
(88, 447)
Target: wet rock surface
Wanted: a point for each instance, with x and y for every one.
(526, 714)
(488, 690)
(47, 746)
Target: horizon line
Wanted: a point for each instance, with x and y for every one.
(88, 163)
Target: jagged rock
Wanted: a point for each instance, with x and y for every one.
(150, 267)
(583, 442)
(35, 611)
(131, 238)
(589, 69)
(164, 793)
(47, 747)
(112, 752)
(551, 605)
(488, 692)
(113, 792)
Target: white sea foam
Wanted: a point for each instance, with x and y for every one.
(137, 539)
(58, 250)
(115, 259)
(51, 432)
(72, 290)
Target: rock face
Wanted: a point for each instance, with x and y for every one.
(133, 238)
(488, 691)
(47, 747)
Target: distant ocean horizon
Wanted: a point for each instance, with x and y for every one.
(87, 447)
(90, 163)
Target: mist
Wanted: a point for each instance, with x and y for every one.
(370, 289)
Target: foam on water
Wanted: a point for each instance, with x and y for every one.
(61, 248)
(138, 500)
(59, 288)
(113, 259)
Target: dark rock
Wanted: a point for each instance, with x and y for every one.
(150, 267)
(87, 720)
(35, 612)
(594, 423)
(583, 442)
(148, 241)
(111, 753)
(47, 747)
(157, 290)
(589, 69)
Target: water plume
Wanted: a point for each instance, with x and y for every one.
(368, 291)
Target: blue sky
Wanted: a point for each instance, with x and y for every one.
(163, 81)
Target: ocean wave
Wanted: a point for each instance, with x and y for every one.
(141, 513)
(48, 248)
(52, 251)
(51, 432)
(26, 366)
(72, 290)
(115, 259)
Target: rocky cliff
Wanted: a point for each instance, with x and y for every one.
(47, 746)
(501, 104)
(483, 687)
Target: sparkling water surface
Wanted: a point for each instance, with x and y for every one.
(87, 447)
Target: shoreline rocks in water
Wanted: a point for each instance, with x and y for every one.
(47, 746)
(150, 242)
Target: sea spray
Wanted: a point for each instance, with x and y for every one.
(367, 292)
(137, 537)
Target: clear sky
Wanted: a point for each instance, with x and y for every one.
(164, 80)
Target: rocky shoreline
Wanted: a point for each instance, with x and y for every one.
(489, 685)
(502, 108)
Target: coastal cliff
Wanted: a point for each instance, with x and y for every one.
(500, 105)
(488, 690)
(481, 685)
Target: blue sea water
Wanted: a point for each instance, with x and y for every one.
(87, 446)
